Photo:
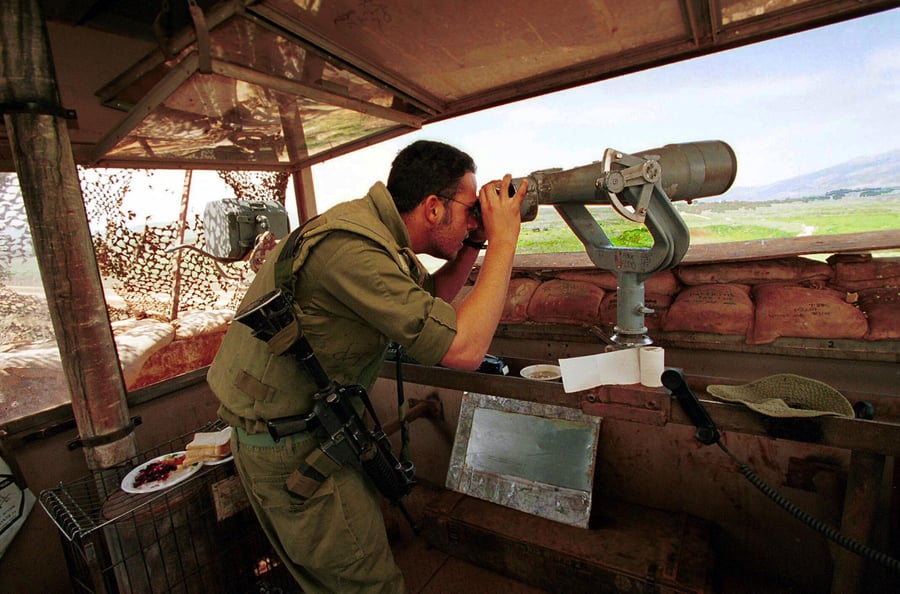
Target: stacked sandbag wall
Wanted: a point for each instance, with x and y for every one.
(855, 297)
(149, 351)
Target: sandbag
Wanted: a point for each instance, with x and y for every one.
(566, 302)
(517, 298)
(604, 279)
(856, 272)
(882, 308)
(661, 283)
(196, 323)
(714, 308)
(136, 341)
(863, 285)
(756, 272)
(35, 358)
(802, 312)
(177, 358)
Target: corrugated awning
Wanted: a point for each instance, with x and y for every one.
(280, 84)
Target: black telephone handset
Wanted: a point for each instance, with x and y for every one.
(706, 430)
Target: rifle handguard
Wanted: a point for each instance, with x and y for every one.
(392, 478)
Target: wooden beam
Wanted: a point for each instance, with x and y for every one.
(295, 140)
(864, 478)
(179, 74)
(739, 251)
(279, 22)
(764, 249)
(876, 437)
(62, 242)
(182, 228)
(315, 93)
(217, 15)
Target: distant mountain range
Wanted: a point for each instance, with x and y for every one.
(879, 171)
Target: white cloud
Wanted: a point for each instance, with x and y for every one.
(884, 61)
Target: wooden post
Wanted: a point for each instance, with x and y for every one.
(304, 192)
(295, 139)
(182, 226)
(864, 479)
(62, 242)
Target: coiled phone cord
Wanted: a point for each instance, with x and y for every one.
(814, 523)
(707, 433)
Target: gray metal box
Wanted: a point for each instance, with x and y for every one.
(232, 225)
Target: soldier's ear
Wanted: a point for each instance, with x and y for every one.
(433, 208)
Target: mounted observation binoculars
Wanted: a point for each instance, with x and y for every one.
(640, 187)
(682, 171)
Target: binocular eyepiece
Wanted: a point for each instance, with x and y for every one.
(529, 209)
(512, 189)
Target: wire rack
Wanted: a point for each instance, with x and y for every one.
(197, 536)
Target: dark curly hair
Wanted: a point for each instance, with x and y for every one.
(426, 167)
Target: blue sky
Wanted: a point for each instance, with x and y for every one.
(788, 106)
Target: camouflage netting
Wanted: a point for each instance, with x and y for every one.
(132, 255)
(24, 318)
(145, 275)
(250, 185)
(15, 238)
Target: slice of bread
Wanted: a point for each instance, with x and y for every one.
(209, 446)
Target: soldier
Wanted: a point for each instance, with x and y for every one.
(359, 286)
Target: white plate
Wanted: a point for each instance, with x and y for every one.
(174, 477)
(227, 458)
(547, 373)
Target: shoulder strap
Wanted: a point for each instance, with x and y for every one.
(283, 277)
(284, 263)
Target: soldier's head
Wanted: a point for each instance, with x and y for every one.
(424, 168)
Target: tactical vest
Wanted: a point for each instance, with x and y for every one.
(254, 385)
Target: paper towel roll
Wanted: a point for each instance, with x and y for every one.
(652, 365)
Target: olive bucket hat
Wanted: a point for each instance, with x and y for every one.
(786, 395)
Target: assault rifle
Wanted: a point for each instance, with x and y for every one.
(273, 319)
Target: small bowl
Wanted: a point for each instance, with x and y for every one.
(547, 373)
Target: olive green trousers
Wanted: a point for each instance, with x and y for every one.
(333, 542)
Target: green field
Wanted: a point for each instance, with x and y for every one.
(708, 222)
(721, 222)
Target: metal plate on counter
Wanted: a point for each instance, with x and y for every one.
(535, 458)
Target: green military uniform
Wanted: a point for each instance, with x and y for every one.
(359, 287)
